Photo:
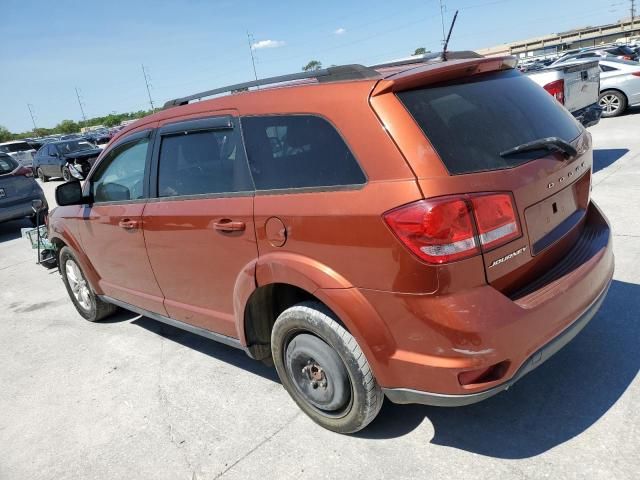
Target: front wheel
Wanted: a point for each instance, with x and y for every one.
(613, 103)
(323, 368)
(84, 299)
(66, 174)
(43, 178)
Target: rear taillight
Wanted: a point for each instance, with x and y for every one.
(556, 88)
(23, 171)
(446, 229)
(636, 74)
(495, 218)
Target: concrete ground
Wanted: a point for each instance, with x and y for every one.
(132, 398)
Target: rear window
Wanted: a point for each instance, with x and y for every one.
(15, 147)
(298, 151)
(469, 122)
(7, 165)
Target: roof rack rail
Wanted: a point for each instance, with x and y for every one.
(331, 74)
(428, 57)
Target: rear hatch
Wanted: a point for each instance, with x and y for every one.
(14, 188)
(473, 122)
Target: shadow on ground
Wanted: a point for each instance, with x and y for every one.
(603, 157)
(548, 407)
(11, 230)
(230, 355)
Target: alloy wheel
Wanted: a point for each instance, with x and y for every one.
(610, 103)
(78, 284)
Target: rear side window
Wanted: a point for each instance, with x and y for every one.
(298, 151)
(7, 164)
(470, 122)
(15, 147)
(202, 162)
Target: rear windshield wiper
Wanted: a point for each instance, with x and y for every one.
(548, 143)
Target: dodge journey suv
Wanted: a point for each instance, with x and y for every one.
(422, 232)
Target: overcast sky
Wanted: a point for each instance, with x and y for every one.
(48, 48)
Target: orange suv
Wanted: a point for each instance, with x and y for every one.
(419, 231)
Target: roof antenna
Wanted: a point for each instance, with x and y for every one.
(446, 42)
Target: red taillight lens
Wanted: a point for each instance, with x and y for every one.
(496, 219)
(442, 230)
(438, 230)
(556, 89)
(636, 74)
(24, 171)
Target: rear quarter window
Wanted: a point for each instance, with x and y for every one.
(469, 122)
(298, 151)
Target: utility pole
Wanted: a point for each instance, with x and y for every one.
(84, 117)
(443, 7)
(253, 60)
(146, 81)
(29, 106)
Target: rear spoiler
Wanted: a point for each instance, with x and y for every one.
(430, 73)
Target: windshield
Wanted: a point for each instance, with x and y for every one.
(471, 121)
(15, 147)
(74, 146)
(7, 164)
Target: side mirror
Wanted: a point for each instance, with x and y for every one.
(70, 193)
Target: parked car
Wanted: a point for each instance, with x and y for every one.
(19, 150)
(423, 232)
(619, 86)
(18, 189)
(575, 85)
(622, 52)
(67, 159)
(100, 139)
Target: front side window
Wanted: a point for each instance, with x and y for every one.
(120, 176)
(202, 162)
(298, 151)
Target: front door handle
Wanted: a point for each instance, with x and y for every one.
(128, 224)
(227, 225)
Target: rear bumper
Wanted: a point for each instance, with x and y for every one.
(21, 209)
(588, 116)
(439, 338)
(404, 395)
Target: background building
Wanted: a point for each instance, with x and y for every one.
(554, 44)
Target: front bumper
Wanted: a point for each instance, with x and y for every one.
(588, 116)
(405, 395)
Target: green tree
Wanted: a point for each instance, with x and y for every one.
(312, 66)
(5, 135)
(67, 126)
(420, 51)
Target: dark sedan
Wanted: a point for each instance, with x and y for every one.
(18, 189)
(67, 159)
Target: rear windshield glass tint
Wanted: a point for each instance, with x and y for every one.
(15, 147)
(7, 165)
(470, 122)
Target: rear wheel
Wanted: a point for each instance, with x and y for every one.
(323, 368)
(66, 174)
(43, 178)
(85, 300)
(613, 103)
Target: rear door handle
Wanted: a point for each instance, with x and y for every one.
(227, 225)
(128, 224)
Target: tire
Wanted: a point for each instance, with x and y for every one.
(66, 174)
(324, 370)
(89, 306)
(613, 103)
(43, 178)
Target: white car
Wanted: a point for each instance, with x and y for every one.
(20, 151)
(619, 86)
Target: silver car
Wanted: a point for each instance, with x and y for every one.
(20, 151)
(18, 189)
(619, 86)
